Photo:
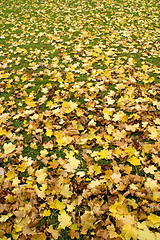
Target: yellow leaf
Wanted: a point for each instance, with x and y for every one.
(46, 213)
(4, 218)
(49, 133)
(56, 204)
(152, 184)
(40, 193)
(49, 104)
(65, 104)
(30, 103)
(94, 183)
(48, 124)
(40, 236)
(8, 148)
(68, 110)
(150, 169)
(18, 229)
(130, 150)
(97, 169)
(103, 154)
(1, 108)
(107, 73)
(4, 75)
(110, 129)
(129, 232)
(15, 182)
(135, 161)
(73, 163)
(107, 137)
(41, 175)
(74, 226)
(132, 203)
(65, 220)
(154, 219)
(10, 198)
(118, 151)
(14, 235)
(155, 198)
(23, 78)
(43, 153)
(111, 230)
(33, 145)
(65, 191)
(10, 175)
(107, 113)
(80, 127)
(79, 113)
(146, 234)
(116, 177)
(8, 85)
(22, 167)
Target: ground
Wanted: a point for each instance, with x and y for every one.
(79, 120)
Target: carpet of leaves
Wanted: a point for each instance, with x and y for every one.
(79, 120)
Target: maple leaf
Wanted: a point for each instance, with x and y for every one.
(87, 221)
(57, 205)
(43, 153)
(30, 102)
(94, 184)
(72, 164)
(55, 233)
(103, 154)
(41, 175)
(1, 108)
(107, 113)
(64, 219)
(111, 231)
(62, 139)
(65, 191)
(151, 169)
(134, 161)
(10, 175)
(130, 150)
(8, 148)
(1, 171)
(116, 177)
(49, 104)
(15, 182)
(144, 233)
(46, 213)
(49, 133)
(65, 104)
(4, 218)
(39, 236)
(154, 220)
(129, 232)
(97, 169)
(152, 184)
(33, 145)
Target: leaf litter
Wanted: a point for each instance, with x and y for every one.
(79, 120)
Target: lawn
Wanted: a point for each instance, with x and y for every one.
(79, 120)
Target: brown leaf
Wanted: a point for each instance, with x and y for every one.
(142, 215)
(103, 234)
(71, 131)
(73, 234)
